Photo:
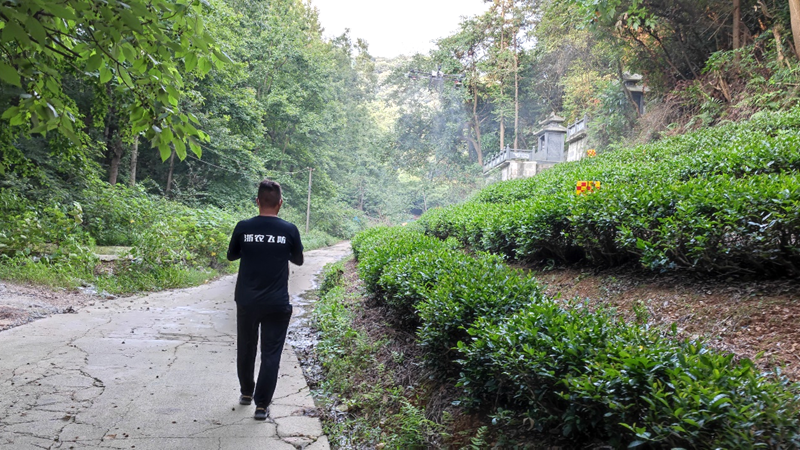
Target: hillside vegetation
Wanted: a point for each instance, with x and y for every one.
(149, 124)
(722, 200)
(170, 244)
(719, 200)
(558, 368)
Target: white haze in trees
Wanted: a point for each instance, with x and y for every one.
(393, 27)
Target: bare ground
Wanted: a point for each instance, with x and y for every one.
(739, 316)
(20, 304)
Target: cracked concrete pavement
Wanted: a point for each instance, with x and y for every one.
(152, 372)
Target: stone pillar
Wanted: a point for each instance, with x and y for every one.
(576, 139)
(550, 139)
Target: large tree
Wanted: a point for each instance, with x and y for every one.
(794, 13)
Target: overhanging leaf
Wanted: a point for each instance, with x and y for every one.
(9, 74)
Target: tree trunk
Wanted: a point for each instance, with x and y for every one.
(134, 159)
(113, 170)
(478, 146)
(628, 94)
(476, 123)
(502, 72)
(169, 174)
(737, 20)
(361, 196)
(108, 136)
(516, 95)
(776, 32)
(477, 150)
(794, 13)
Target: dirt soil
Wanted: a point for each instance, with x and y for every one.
(20, 304)
(741, 317)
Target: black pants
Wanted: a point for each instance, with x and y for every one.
(274, 321)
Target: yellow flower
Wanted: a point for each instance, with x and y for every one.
(132, 220)
(213, 253)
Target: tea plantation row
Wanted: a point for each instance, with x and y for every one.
(720, 200)
(557, 367)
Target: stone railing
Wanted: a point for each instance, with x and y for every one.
(518, 154)
(506, 155)
(577, 127)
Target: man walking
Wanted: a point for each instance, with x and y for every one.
(265, 244)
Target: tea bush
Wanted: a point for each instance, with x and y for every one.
(586, 375)
(719, 200)
(382, 411)
(394, 244)
(409, 280)
(558, 367)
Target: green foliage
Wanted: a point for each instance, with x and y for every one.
(317, 239)
(173, 245)
(481, 288)
(587, 376)
(560, 367)
(140, 47)
(331, 276)
(396, 245)
(723, 199)
(735, 84)
(383, 414)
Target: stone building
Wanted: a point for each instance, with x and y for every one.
(510, 164)
(554, 142)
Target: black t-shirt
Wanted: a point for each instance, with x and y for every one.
(265, 244)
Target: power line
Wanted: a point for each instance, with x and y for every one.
(241, 173)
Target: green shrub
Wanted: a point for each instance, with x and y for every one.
(380, 246)
(409, 280)
(475, 288)
(589, 376)
(315, 239)
(115, 215)
(560, 367)
(380, 414)
(51, 232)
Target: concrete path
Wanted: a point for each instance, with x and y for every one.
(155, 372)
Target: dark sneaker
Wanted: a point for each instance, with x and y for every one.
(245, 399)
(261, 413)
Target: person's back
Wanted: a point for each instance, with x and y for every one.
(266, 245)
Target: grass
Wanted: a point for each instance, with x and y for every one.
(121, 277)
(42, 274)
(116, 279)
(111, 250)
(365, 404)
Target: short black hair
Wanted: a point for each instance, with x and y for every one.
(269, 193)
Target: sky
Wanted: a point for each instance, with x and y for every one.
(395, 27)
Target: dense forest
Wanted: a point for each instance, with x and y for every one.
(147, 123)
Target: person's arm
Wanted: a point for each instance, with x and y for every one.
(235, 246)
(296, 253)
